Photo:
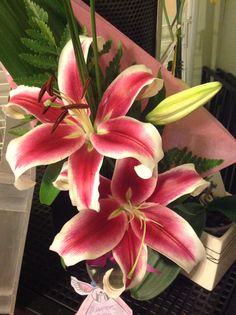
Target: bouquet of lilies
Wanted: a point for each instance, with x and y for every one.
(101, 130)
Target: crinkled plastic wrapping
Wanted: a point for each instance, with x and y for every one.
(200, 132)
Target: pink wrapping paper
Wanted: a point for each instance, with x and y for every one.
(199, 131)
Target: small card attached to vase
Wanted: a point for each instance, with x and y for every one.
(97, 302)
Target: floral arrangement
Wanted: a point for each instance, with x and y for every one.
(100, 130)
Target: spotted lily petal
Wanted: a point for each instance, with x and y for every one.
(169, 234)
(135, 81)
(41, 147)
(123, 137)
(68, 76)
(127, 186)
(88, 234)
(24, 100)
(183, 103)
(177, 182)
(83, 174)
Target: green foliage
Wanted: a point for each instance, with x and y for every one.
(113, 68)
(39, 61)
(153, 102)
(225, 205)
(106, 47)
(64, 38)
(175, 157)
(156, 282)
(48, 192)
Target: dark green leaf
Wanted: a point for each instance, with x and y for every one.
(34, 10)
(46, 31)
(153, 102)
(176, 156)
(42, 62)
(32, 80)
(48, 192)
(135, 110)
(106, 47)
(155, 283)
(113, 68)
(194, 213)
(64, 38)
(226, 205)
(37, 46)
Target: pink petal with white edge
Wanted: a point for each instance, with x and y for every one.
(61, 181)
(127, 186)
(169, 234)
(88, 234)
(176, 182)
(41, 147)
(24, 100)
(125, 137)
(129, 252)
(83, 176)
(68, 76)
(122, 92)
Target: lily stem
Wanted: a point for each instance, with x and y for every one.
(83, 71)
(95, 48)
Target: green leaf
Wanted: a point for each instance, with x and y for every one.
(192, 212)
(32, 80)
(175, 157)
(65, 37)
(153, 102)
(37, 46)
(135, 110)
(42, 62)
(226, 205)
(34, 10)
(106, 47)
(113, 68)
(18, 132)
(23, 121)
(46, 31)
(155, 283)
(48, 192)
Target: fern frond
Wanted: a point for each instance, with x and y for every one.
(37, 46)
(65, 37)
(34, 10)
(106, 47)
(33, 80)
(175, 157)
(38, 61)
(46, 31)
(113, 68)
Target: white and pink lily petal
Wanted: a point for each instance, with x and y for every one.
(41, 147)
(69, 81)
(83, 177)
(24, 101)
(88, 234)
(124, 137)
(176, 182)
(169, 234)
(135, 82)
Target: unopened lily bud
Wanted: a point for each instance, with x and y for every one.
(183, 103)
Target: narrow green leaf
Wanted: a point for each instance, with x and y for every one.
(226, 205)
(48, 192)
(155, 283)
(18, 132)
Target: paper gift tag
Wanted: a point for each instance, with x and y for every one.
(97, 302)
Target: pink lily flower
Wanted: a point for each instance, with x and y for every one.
(134, 215)
(85, 144)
